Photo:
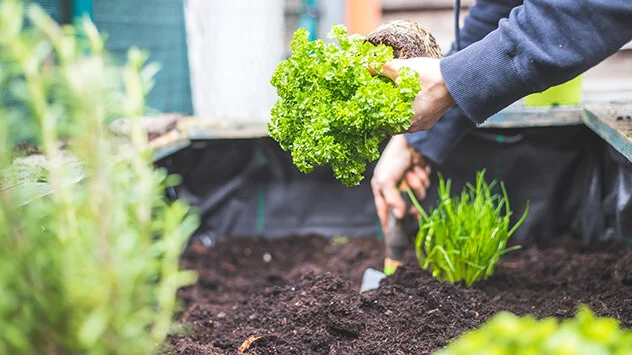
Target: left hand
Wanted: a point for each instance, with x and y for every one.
(399, 163)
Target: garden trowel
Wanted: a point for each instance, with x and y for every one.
(396, 240)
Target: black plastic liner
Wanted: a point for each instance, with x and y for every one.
(575, 182)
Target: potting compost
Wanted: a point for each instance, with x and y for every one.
(299, 295)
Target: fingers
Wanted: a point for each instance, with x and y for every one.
(423, 174)
(390, 170)
(390, 69)
(394, 200)
(385, 196)
(416, 184)
(418, 178)
(381, 207)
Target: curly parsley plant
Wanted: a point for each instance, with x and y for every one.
(331, 110)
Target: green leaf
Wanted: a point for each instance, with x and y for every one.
(93, 327)
(331, 111)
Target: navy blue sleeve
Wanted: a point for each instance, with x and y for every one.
(437, 142)
(542, 43)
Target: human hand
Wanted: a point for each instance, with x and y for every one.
(399, 163)
(433, 100)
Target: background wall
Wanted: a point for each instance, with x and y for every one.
(234, 46)
(157, 26)
(154, 25)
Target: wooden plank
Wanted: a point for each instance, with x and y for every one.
(613, 123)
(169, 143)
(513, 117)
(517, 116)
(223, 128)
(167, 150)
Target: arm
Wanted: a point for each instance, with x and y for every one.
(399, 161)
(542, 44)
(437, 142)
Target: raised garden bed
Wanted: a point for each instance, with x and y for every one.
(300, 296)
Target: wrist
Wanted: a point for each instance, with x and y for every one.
(416, 158)
(434, 99)
(440, 89)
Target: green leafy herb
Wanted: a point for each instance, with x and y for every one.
(331, 110)
(508, 334)
(90, 267)
(464, 237)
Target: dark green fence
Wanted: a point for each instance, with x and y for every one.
(54, 8)
(154, 25)
(158, 27)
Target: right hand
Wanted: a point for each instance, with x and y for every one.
(433, 100)
(399, 162)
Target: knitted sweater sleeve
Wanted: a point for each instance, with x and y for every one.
(437, 142)
(542, 43)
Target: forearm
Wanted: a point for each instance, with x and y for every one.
(543, 43)
(437, 142)
(483, 18)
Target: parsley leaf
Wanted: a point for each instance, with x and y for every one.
(331, 111)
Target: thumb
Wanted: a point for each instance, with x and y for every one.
(391, 69)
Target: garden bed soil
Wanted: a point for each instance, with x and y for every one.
(300, 296)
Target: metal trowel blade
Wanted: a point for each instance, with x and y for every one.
(371, 279)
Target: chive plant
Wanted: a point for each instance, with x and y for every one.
(463, 237)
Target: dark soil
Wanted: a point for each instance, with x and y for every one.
(304, 299)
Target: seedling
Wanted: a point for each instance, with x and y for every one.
(507, 333)
(463, 238)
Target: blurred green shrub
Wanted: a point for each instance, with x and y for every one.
(91, 268)
(508, 334)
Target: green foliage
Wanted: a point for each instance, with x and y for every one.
(463, 238)
(508, 334)
(91, 268)
(331, 110)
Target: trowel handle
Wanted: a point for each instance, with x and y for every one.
(395, 243)
(396, 240)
